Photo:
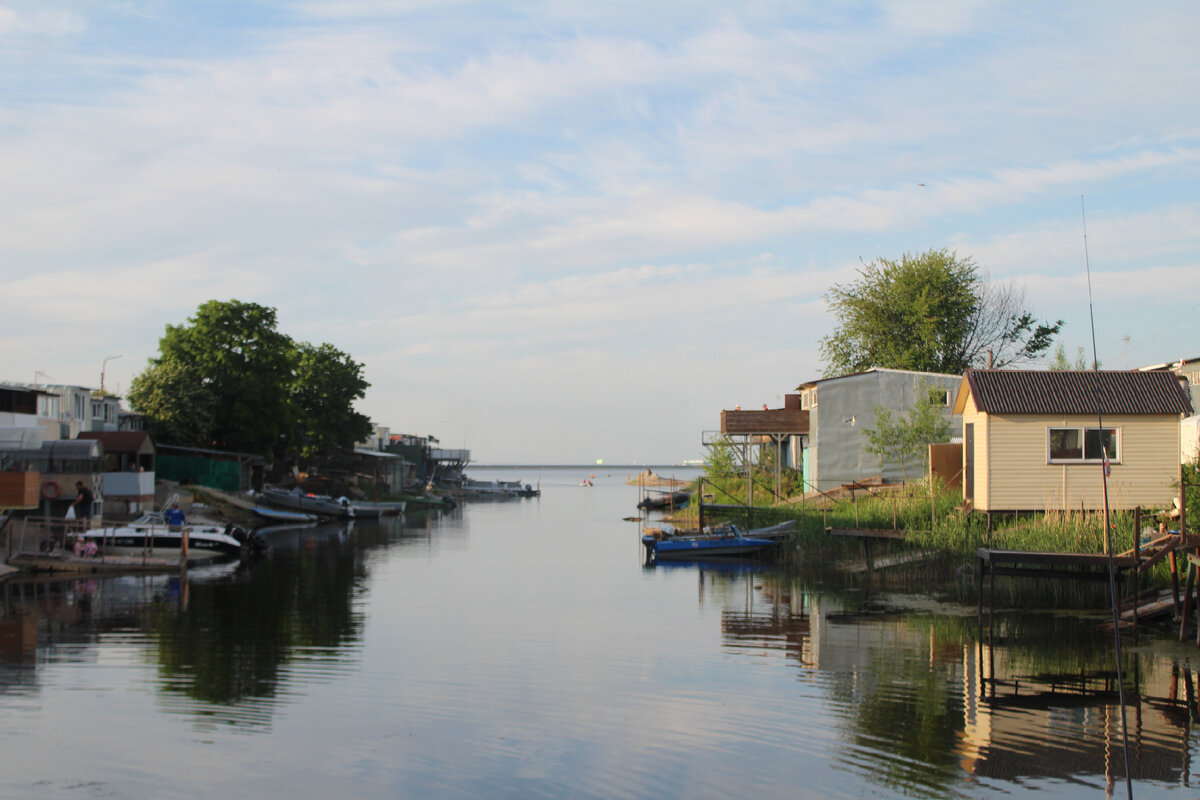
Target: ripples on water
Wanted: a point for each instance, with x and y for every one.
(522, 649)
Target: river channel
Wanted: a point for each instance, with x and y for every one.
(522, 649)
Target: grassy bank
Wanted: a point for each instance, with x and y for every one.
(938, 552)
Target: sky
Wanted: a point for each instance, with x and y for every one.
(566, 231)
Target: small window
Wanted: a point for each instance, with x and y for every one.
(1082, 445)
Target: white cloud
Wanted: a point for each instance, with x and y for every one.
(577, 194)
(38, 20)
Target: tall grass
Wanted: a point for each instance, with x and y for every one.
(933, 519)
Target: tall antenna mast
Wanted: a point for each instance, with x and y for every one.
(1108, 549)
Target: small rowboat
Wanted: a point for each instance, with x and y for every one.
(278, 515)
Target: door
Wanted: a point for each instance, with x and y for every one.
(969, 464)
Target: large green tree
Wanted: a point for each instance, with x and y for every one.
(932, 312)
(325, 386)
(178, 408)
(229, 380)
(242, 369)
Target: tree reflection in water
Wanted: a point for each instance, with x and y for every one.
(231, 641)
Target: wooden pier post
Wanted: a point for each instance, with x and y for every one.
(1137, 565)
(1162, 531)
(1187, 597)
(1182, 508)
(981, 563)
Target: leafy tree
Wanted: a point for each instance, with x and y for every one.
(177, 407)
(325, 385)
(229, 380)
(241, 364)
(1059, 362)
(933, 312)
(721, 461)
(904, 439)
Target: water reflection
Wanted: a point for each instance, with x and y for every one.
(928, 703)
(229, 641)
(1046, 705)
(294, 608)
(521, 650)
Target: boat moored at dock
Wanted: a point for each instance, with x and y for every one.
(718, 542)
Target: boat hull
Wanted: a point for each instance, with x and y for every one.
(278, 515)
(290, 501)
(673, 500)
(138, 541)
(690, 547)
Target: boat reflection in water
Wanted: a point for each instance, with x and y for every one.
(520, 650)
(229, 638)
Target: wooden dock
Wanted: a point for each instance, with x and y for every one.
(867, 536)
(1174, 547)
(1033, 564)
(68, 563)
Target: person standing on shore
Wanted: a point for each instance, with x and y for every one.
(83, 504)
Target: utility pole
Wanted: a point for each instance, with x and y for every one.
(104, 367)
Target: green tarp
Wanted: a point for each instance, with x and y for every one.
(222, 475)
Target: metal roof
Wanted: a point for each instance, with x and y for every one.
(1076, 392)
(807, 384)
(366, 451)
(73, 449)
(117, 441)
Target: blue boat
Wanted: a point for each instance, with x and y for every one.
(725, 541)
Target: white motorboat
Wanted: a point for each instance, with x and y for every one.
(149, 533)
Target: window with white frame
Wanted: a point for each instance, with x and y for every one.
(1082, 445)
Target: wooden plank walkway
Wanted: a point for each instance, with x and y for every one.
(72, 564)
(867, 533)
(867, 536)
(1035, 564)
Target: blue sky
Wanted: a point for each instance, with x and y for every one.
(556, 232)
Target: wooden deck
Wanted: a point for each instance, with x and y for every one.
(868, 536)
(1033, 564)
(866, 533)
(1177, 548)
(71, 564)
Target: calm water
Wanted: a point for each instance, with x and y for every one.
(521, 649)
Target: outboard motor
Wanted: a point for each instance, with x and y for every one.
(255, 544)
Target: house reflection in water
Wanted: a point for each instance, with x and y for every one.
(921, 699)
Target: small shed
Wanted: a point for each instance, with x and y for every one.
(128, 477)
(1033, 441)
(836, 452)
(124, 451)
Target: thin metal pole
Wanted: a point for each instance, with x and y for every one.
(1104, 468)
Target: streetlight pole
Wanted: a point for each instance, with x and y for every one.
(104, 367)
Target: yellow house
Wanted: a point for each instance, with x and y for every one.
(1039, 440)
